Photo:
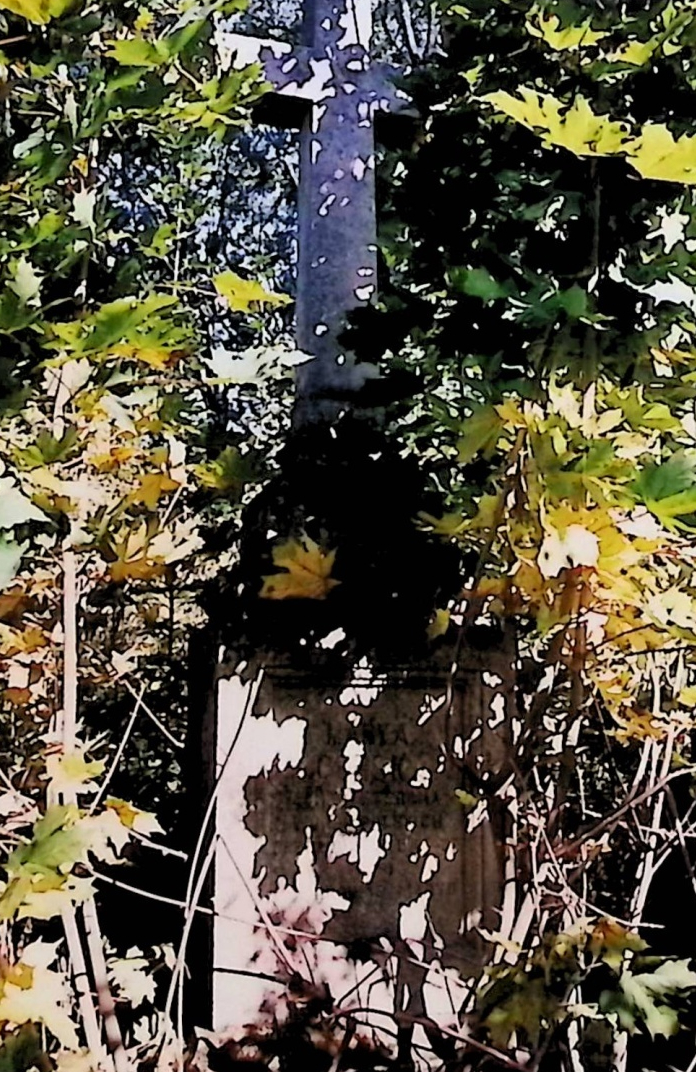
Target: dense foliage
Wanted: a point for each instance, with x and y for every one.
(138, 395)
(553, 332)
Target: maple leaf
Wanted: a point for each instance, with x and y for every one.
(637, 53)
(558, 37)
(228, 473)
(439, 624)
(575, 127)
(648, 996)
(46, 1000)
(46, 903)
(143, 822)
(480, 433)
(26, 283)
(15, 507)
(308, 571)
(38, 11)
(157, 357)
(140, 568)
(70, 772)
(132, 978)
(18, 697)
(657, 154)
(240, 294)
(609, 941)
(150, 489)
(133, 559)
(111, 461)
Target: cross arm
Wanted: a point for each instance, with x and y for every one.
(302, 72)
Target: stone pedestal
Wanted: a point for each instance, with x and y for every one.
(343, 852)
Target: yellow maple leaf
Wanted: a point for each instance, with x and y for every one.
(27, 641)
(637, 725)
(109, 463)
(240, 294)
(657, 154)
(70, 772)
(48, 903)
(561, 38)
(157, 357)
(140, 568)
(634, 52)
(144, 20)
(449, 525)
(38, 11)
(574, 127)
(307, 575)
(134, 560)
(150, 489)
(510, 413)
(143, 822)
(36, 994)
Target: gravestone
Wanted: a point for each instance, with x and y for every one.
(338, 818)
(341, 854)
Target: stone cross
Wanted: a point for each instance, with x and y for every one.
(341, 854)
(342, 89)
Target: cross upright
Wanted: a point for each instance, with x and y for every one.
(339, 88)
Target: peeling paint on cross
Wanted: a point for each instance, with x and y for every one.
(343, 88)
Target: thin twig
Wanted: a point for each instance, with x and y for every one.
(459, 1036)
(179, 966)
(119, 751)
(210, 808)
(270, 927)
(151, 715)
(66, 724)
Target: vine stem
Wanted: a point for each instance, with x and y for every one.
(119, 752)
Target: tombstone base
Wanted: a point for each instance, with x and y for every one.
(344, 855)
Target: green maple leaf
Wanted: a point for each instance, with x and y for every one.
(137, 52)
(479, 283)
(57, 843)
(669, 478)
(480, 432)
(648, 995)
(669, 489)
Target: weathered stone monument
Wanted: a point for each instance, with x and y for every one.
(337, 734)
